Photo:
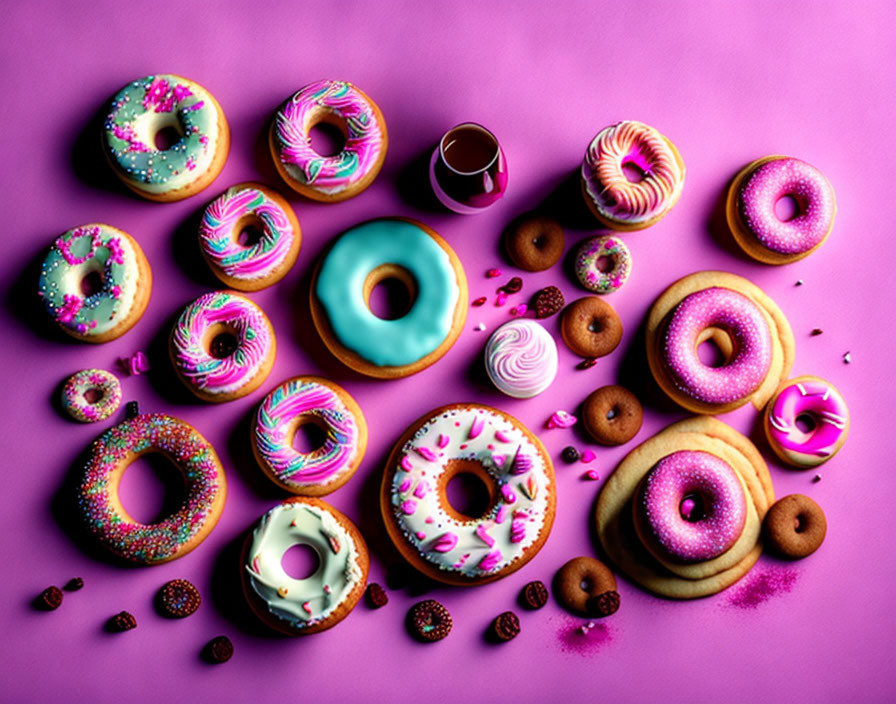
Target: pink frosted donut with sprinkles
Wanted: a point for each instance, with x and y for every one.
(690, 507)
(174, 535)
(342, 175)
(589, 264)
(91, 395)
(480, 543)
(624, 202)
(270, 251)
(321, 403)
(821, 410)
(222, 346)
(753, 196)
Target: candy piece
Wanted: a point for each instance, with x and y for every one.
(586, 363)
(479, 302)
(570, 454)
(219, 650)
(444, 543)
(548, 301)
(588, 456)
(591, 475)
(178, 598)
(74, 584)
(123, 621)
(376, 596)
(429, 620)
(534, 595)
(492, 273)
(561, 419)
(506, 626)
(50, 598)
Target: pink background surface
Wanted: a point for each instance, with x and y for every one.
(727, 82)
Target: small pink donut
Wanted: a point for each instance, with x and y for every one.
(751, 357)
(715, 513)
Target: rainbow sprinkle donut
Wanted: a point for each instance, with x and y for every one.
(309, 400)
(752, 197)
(822, 406)
(110, 260)
(588, 269)
(253, 266)
(343, 175)
(617, 201)
(175, 535)
(146, 107)
(222, 346)
(102, 386)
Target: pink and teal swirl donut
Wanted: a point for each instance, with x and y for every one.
(751, 355)
(222, 346)
(588, 269)
(260, 264)
(343, 175)
(822, 406)
(318, 401)
(91, 395)
(691, 506)
(751, 209)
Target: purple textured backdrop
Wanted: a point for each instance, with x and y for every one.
(727, 82)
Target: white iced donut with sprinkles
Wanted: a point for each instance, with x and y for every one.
(509, 462)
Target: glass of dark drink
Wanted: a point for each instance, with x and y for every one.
(468, 170)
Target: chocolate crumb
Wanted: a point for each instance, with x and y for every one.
(50, 598)
(816, 479)
(131, 410)
(74, 584)
(603, 604)
(218, 650)
(123, 621)
(376, 596)
(534, 595)
(847, 358)
(586, 363)
(429, 620)
(799, 282)
(570, 454)
(506, 626)
(816, 332)
(514, 285)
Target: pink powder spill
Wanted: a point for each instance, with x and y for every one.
(580, 638)
(759, 587)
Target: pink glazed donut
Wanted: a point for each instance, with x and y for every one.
(751, 353)
(717, 513)
(824, 407)
(751, 209)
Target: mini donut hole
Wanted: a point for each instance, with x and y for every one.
(390, 291)
(151, 488)
(467, 490)
(300, 561)
(221, 341)
(327, 134)
(308, 435)
(93, 395)
(788, 207)
(693, 507)
(715, 347)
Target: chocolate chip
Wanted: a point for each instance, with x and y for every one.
(514, 285)
(74, 584)
(178, 598)
(570, 454)
(479, 302)
(123, 621)
(50, 598)
(218, 650)
(586, 363)
(603, 604)
(376, 596)
(817, 331)
(429, 620)
(506, 626)
(534, 595)
(131, 410)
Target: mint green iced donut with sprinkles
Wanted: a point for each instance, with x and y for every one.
(142, 110)
(368, 254)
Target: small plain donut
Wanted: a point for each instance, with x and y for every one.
(145, 107)
(516, 472)
(304, 606)
(750, 209)
(534, 242)
(175, 535)
(361, 258)
(590, 327)
(521, 358)
(329, 178)
(588, 270)
(309, 399)
(622, 204)
(255, 265)
(91, 395)
(222, 346)
(587, 586)
(612, 415)
(110, 261)
(795, 526)
(816, 400)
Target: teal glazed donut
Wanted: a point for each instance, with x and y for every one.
(145, 107)
(368, 254)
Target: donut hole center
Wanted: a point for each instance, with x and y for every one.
(693, 507)
(539, 242)
(300, 561)
(805, 423)
(595, 325)
(715, 348)
(248, 232)
(633, 172)
(151, 488)
(93, 395)
(92, 283)
(390, 291)
(222, 341)
(328, 135)
(799, 523)
(166, 137)
(467, 489)
(613, 413)
(309, 435)
(606, 264)
(787, 208)
(586, 584)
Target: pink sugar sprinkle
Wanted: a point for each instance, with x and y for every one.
(574, 638)
(761, 586)
(591, 474)
(588, 456)
(492, 273)
(501, 299)
(519, 310)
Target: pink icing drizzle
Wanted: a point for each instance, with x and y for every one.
(444, 543)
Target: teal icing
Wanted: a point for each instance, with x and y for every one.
(340, 290)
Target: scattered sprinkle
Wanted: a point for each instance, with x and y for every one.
(131, 410)
(501, 298)
(480, 327)
(513, 286)
(519, 310)
(492, 273)
(799, 282)
(560, 419)
(847, 358)
(584, 640)
(588, 456)
(479, 301)
(816, 479)
(136, 364)
(591, 475)
(759, 587)
(817, 331)
(74, 584)
(586, 363)
(50, 598)
(123, 621)
(219, 650)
